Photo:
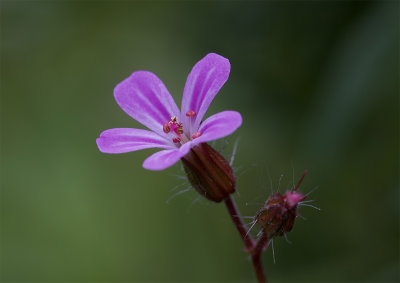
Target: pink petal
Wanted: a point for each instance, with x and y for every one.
(166, 158)
(218, 126)
(122, 140)
(202, 85)
(145, 98)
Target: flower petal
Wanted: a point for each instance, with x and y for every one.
(122, 140)
(144, 97)
(203, 83)
(218, 126)
(166, 158)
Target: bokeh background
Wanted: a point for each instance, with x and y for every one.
(317, 84)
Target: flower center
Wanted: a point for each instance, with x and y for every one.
(175, 129)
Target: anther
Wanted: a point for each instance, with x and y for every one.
(176, 140)
(166, 128)
(196, 135)
(190, 113)
(174, 119)
(179, 130)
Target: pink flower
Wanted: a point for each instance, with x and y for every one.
(144, 97)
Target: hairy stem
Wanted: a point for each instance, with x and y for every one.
(251, 246)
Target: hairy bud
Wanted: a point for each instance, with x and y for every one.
(279, 212)
(276, 217)
(209, 173)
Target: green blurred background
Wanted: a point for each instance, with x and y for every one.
(316, 82)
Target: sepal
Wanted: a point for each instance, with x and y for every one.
(209, 172)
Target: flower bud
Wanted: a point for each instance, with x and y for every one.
(279, 212)
(209, 173)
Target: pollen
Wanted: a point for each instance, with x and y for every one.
(196, 135)
(175, 127)
(166, 128)
(190, 113)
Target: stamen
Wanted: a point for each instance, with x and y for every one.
(176, 128)
(196, 135)
(166, 128)
(179, 130)
(190, 113)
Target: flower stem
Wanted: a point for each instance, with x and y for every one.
(259, 247)
(251, 246)
(259, 268)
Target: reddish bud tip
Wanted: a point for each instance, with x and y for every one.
(190, 113)
(196, 135)
(166, 128)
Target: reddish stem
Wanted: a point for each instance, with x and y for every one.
(251, 245)
(235, 215)
(261, 245)
(259, 268)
